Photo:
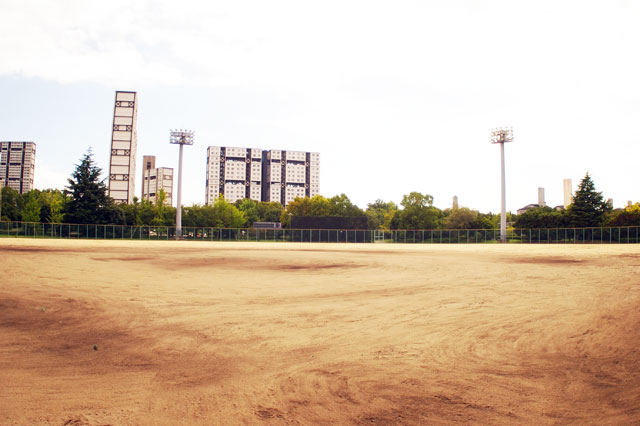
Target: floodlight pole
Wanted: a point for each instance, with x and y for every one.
(503, 203)
(180, 137)
(179, 209)
(500, 136)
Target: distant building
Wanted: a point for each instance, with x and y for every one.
(234, 173)
(280, 176)
(124, 141)
(455, 202)
(17, 165)
(527, 207)
(290, 174)
(156, 178)
(568, 192)
(541, 201)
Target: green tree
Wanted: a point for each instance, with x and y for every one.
(488, 221)
(315, 206)
(270, 211)
(89, 201)
(147, 212)
(588, 207)
(380, 214)
(341, 205)
(130, 213)
(460, 218)
(629, 216)
(251, 209)
(259, 211)
(31, 211)
(540, 217)
(160, 209)
(228, 216)
(52, 203)
(11, 204)
(418, 212)
(320, 206)
(198, 215)
(222, 214)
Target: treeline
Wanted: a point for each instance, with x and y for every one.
(85, 200)
(588, 209)
(83, 203)
(416, 211)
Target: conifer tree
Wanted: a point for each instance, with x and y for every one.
(89, 201)
(588, 207)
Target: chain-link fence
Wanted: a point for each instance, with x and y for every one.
(628, 234)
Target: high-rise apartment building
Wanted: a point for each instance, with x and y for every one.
(156, 178)
(17, 165)
(235, 173)
(122, 166)
(290, 174)
(275, 175)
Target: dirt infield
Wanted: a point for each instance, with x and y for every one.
(179, 333)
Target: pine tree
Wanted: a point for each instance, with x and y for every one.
(89, 200)
(588, 207)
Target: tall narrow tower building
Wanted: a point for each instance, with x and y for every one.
(541, 201)
(568, 192)
(122, 167)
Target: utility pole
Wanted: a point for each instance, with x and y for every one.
(501, 136)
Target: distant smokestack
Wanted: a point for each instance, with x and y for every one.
(541, 201)
(568, 192)
(455, 201)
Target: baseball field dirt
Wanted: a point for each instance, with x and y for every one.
(182, 333)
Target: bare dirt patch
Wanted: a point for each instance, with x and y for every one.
(219, 333)
(546, 260)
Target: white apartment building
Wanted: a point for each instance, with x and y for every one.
(281, 176)
(290, 174)
(17, 165)
(124, 141)
(235, 173)
(156, 178)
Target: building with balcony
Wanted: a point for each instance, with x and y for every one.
(290, 174)
(17, 165)
(156, 178)
(275, 175)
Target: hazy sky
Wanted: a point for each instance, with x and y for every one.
(396, 96)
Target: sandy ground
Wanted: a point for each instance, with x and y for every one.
(266, 333)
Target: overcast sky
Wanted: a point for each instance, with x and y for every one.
(396, 96)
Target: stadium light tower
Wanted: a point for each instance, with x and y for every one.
(501, 136)
(181, 137)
